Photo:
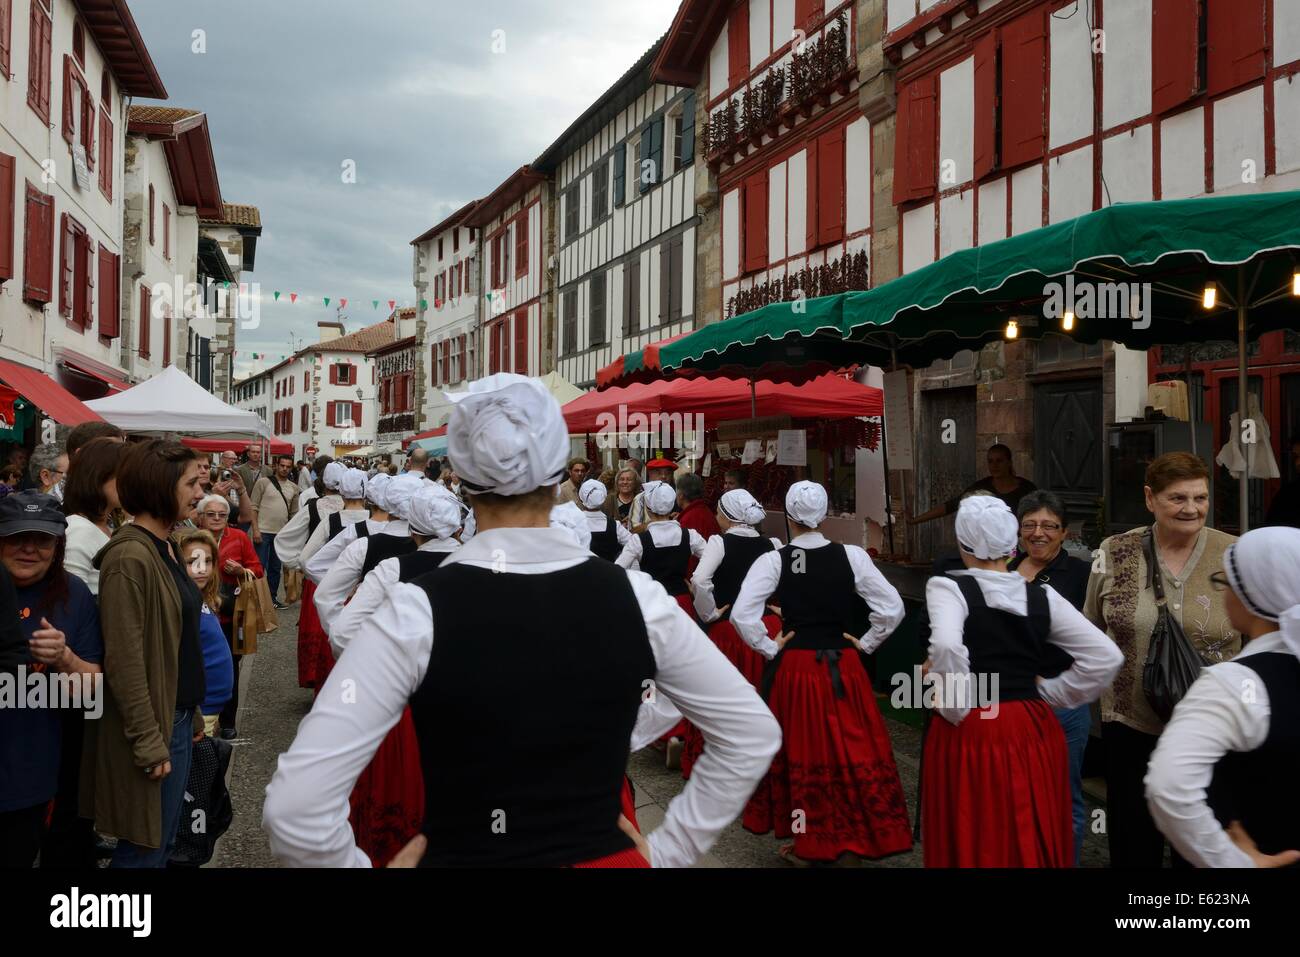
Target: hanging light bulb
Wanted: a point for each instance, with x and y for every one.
(1067, 321)
(1210, 295)
(1295, 282)
(1013, 329)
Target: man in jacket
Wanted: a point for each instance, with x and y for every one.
(275, 501)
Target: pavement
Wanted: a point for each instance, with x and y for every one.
(272, 705)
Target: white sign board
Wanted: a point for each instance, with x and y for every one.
(792, 447)
(753, 451)
(898, 421)
(80, 167)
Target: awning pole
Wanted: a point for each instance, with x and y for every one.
(753, 399)
(1191, 406)
(1242, 383)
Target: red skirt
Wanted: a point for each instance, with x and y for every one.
(688, 605)
(995, 792)
(833, 786)
(627, 803)
(629, 858)
(388, 799)
(315, 659)
(747, 661)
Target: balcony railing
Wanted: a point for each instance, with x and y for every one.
(784, 93)
(846, 274)
(405, 422)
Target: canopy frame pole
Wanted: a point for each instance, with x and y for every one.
(1191, 406)
(1243, 510)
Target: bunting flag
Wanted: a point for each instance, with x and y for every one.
(424, 304)
(277, 295)
(392, 303)
(374, 303)
(293, 297)
(327, 300)
(343, 303)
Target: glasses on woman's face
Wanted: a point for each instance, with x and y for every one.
(1030, 527)
(1219, 581)
(215, 515)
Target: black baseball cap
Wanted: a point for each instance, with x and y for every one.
(31, 511)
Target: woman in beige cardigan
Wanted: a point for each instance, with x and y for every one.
(1121, 602)
(137, 755)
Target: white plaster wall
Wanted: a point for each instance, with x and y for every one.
(776, 207)
(797, 230)
(760, 25)
(993, 211)
(718, 66)
(1286, 116)
(1026, 199)
(956, 123)
(918, 237)
(1070, 179)
(730, 234)
(1286, 31)
(1239, 138)
(1126, 64)
(1182, 155)
(1126, 166)
(857, 176)
(956, 222)
(1070, 116)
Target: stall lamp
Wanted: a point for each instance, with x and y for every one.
(1210, 296)
(1013, 330)
(1067, 321)
(1295, 283)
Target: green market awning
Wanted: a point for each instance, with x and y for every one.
(640, 365)
(1247, 246)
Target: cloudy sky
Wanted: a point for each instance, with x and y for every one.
(435, 101)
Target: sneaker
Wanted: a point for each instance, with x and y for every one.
(278, 604)
(674, 753)
(228, 734)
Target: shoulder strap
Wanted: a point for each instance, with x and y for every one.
(971, 591)
(1155, 581)
(686, 537)
(1037, 608)
(647, 542)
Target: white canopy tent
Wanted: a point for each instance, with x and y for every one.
(173, 402)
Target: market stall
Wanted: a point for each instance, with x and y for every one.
(172, 402)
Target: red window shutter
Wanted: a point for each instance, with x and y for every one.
(1235, 39)
(830, 187)
(1175, 36)
(464, 370)
(329, 414)
(986, 104)
(146, 317)
(302, 418)
(355, 412)
(433, 365)
(756, 221)
(807, 12)
(40, 54)
(109, 326)
(521, 245)
(810, 237)
(5, 35)
(334, 374)
(521, 342)
(88, 114)
(68, 117)
(446, 360)
(67, 264)
(914, 140)
(353, 378)
(1024, 88)
(738, 45)
(38, 247)
(86, 260)
(106, 155)
(167, 232)
(306, 381)
(151, 214)
(494, 354)
(8, 197)
(167, 336)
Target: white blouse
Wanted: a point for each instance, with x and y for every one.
(306, 809)
(887, 609)
(290, 540)
(343, 575)
(702, 580)
(349, 517)
(596, 522)
(664, 535)
(1096, 658)
(1226, 709)
(82, 543)
(323, 559)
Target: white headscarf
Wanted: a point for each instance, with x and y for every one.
(592, 494)
(660, 497)
(435, 512)
(570, 518)
(333, 476)
(739, 506)
(470, 527)
(353, 485)
(806, 503)
(399, 493)
(506, 435)
(375, 490)
(986, 527)
(1262, 569)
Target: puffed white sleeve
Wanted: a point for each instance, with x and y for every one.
(740, 735)
(630, 556)
(1225, 709)
(655, 718)
(339, 582)
(697, 542)
(313, 544)
(948, 655)
(1097, 659)
(306, 810)
(622, 533)
(324, 558)
(887, 610)
(370, 595)
(289, 541)
(747, 611)
(702, 579)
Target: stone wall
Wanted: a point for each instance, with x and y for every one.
(708, 233)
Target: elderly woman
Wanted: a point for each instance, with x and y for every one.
(235, 556)
(89, 502)
(140, 749)
(48, 467)
(1040, 558)
(40, 748)
(1122, 601)
(1228, 756)
(627, 485)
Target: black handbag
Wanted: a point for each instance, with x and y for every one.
(206, 813)
(1172, 663)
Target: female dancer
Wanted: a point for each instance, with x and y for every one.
(663, 551)
(607, 535)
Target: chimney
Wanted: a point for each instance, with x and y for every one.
(330, 330)
(405, 324)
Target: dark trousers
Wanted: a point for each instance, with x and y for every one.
(1133, 838)
(69, 842)
(172, 798)
(231, 711)
(20, 836)
(266, 554)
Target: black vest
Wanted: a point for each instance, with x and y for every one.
(1258, 788)
(381, 547)
(1011, 646)
(667, 564)
(414, 564)
(336, 526)
(313, 515)
(605, 544)
(363, 529)
(819, 603)
(739, 552)
(503, 685)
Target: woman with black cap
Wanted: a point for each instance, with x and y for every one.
(1223, 778)
(607, 536)
(497, 791)
(664, 549)
(995, 774)
(834, 786)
